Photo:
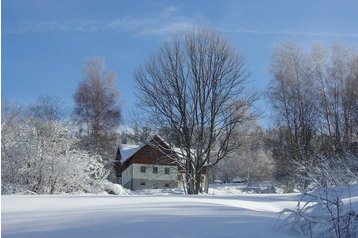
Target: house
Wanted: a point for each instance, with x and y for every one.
(151, 165)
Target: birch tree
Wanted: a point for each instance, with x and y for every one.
(97, 110)
(293, 97)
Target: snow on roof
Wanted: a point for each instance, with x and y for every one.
(160, 138)
(128, 150)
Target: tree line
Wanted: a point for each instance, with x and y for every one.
(193, 92)
(314, 96)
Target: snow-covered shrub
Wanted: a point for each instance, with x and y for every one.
(41, 156)
(329, 171)
(7, 188)
(257, 187)
(74, 171)
(322, 214)
(104, 186)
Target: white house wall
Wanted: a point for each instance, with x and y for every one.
(149, 179)
(137, 174)
(127, 177)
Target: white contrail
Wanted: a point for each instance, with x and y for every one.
(330, 34)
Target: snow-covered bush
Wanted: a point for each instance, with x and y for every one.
(329, 171)
(73, 171)
(106, 187)
(322, 214)
(41, 156)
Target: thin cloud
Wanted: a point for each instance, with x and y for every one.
(167, 20)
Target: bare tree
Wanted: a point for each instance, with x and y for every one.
(195, 86)
(97, 109)
(337, 84)
(47, 108)
(292, 94)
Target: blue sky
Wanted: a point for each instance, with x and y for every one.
(46, 42)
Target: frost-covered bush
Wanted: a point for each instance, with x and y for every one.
(322, 214)
(41, 156)
(106, 187)
(73, 171)
(330, 171)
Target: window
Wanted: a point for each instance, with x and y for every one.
(155, 186)
(167, 170)
(155, 170)
(142, 169)
(179, 177)
(166, 185)
(142, 183)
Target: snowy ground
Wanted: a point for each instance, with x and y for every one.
(172, 215)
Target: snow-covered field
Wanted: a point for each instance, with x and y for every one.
(153, 215)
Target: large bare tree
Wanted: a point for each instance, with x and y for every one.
(97, 109)
(195, 87)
